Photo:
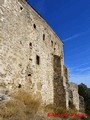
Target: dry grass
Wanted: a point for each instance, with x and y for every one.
(22, 107)
(59, 109)
(32, 104)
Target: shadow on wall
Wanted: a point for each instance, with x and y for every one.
(59, 91)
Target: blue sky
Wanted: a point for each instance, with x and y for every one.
(70, 19)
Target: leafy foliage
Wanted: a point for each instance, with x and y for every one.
(84, 91)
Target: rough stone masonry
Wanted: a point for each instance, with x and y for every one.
(31, 55)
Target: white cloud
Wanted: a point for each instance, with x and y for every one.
(80, 65)
(72, 37)
(80, 75)
(80, 78)
(84, 69)
(75, 36)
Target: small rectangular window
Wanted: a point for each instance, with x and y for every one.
(30, 44)
(43, 36)
(37, 60)
(52, 43)
(34, 26)
(21, 8)
(29, 74)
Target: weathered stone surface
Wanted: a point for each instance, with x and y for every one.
(59, 89)
(4, 97)
(1, 2)
(73, 94)
(21, 42)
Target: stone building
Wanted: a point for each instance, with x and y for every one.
(73, 94)
(31, 54)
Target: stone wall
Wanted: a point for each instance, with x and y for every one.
(59, 89)
(27, 47)
(65, 72)
(73, 94)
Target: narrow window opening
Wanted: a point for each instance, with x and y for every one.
(34, 26)
(52, 43)
(21, 8)
(30, 44)
(29, 74)
(30, 59)
(37, 60)
(43, 36)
